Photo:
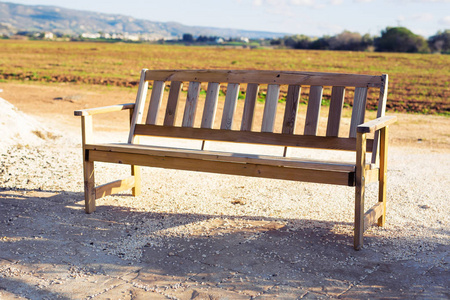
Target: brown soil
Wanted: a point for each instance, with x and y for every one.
(58, 101)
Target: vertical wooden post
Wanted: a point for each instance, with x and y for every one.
(135, 170)
(383, 171)
(88, 166)
(359, 190)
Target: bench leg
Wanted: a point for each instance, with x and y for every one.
(383, 171)
(89, 186)
(359, 190)
(136, 172)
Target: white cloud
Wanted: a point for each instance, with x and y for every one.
(336, 2)
(303, 2)
(423, 17)
(445, 21)
(257, 2)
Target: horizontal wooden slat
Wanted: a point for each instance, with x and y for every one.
(245, 169)
(114, 187)
(376, 124)
(225, 156)
(372, 215)
(266, 77)
(265, 138)
(103, 110)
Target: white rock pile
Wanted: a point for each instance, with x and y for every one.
(18, 128)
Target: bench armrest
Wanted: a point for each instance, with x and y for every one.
(104, 109)
(376, 124)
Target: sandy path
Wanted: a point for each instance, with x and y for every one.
(202, 235)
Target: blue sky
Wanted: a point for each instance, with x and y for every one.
(310, 17)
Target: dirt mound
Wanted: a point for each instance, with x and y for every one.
(17, 128)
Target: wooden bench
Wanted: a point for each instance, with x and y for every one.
(161, 121)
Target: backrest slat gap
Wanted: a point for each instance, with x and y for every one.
(313, 110)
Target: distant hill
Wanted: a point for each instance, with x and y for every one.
(18, 17)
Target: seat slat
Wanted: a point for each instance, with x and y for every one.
(270, 108)
(172, 103)
(335, 114)
(249, 106)
(290, 112)
(264, 138)
(254, 170)
(313, 110)
(359, 110)
(230, 106)
(191, 104)
(226, 156)
(209, 112)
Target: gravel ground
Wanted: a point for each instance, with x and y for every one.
(205, 236)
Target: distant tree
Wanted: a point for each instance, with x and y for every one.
(302, 42)
(352, 41)
(400, 39)
(276, 42)
(440, 42)
(187, 37)
(322, 43)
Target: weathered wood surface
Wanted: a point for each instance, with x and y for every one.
(212, 166)
(103, 110)
(226, 157)
(290, 112)
(266, 77)
(335, 114)
(172, 103)
(229, 108)
(270, 108)
(191, 104)
(264, 138)
(313, 110)
(249, 106)
(155, 102)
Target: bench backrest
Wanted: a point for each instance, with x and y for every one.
(292, 84)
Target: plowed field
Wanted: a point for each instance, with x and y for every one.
(418, 82)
